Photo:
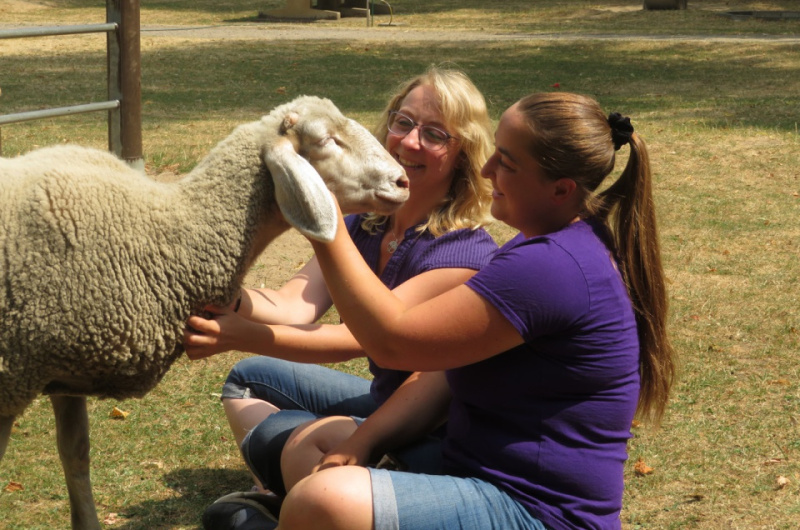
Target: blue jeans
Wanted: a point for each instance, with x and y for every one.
(441, 502)
(306, 392)
(295, 386)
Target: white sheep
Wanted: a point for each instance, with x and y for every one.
(100, 266)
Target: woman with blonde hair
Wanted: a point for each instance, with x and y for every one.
(437, 127)
(538, 363)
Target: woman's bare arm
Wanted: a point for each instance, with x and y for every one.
(301, 300)
(414, 410)
(456, 328)
(310, 343)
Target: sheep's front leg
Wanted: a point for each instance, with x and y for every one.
(6, 423)
(72, 434)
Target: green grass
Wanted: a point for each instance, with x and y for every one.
(720, 118)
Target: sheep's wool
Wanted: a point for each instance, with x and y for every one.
(100, 272)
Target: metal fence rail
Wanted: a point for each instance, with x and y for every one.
(123, 57)
(46, 31)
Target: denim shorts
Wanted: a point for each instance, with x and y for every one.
(440, 502)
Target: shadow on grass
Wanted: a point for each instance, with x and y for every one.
(718, 83)
(195, 488)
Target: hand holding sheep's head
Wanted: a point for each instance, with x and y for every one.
(312, 148)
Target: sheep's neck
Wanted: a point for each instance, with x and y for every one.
(232, 196)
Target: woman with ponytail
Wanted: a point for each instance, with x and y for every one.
(538, 363)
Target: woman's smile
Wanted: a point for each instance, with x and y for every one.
(408, 164)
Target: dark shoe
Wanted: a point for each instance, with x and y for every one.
(243, 511)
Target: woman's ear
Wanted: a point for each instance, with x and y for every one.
(564, 190)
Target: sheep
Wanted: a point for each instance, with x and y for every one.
(101, 266)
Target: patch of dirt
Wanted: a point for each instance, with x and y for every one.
(280, 261)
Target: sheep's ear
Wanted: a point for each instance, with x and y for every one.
(289, 121)
(300, 192)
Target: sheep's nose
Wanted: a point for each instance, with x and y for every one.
(402, 182)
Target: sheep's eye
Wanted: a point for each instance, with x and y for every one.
(330, 141)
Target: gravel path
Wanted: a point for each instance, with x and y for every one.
(401, 33)
(398, 33)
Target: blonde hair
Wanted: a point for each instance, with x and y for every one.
(572, 138)
(464, 113)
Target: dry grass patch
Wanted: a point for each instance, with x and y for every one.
(721, 120)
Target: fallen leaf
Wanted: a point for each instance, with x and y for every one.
(781, 382)
(636, 423)
(11, 487)
(281, 90)
(556, 85)
(153, 464)
(782, 481)
(118, 414)
(641, 468)
(110, 519)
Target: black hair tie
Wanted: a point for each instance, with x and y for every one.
(621, 129)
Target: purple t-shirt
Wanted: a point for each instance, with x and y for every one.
(548, 421)
(417, 253)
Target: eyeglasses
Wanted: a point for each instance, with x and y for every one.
(430, 137)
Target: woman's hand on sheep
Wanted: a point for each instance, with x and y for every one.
(223, 332)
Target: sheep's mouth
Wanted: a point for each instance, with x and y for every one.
(389, 202)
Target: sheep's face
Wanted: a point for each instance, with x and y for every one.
(351, 161)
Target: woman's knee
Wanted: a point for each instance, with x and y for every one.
(323, 434)
(309, 442)
(335, 498)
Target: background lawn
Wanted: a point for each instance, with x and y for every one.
(717, 100)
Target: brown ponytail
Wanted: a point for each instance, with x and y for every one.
(630, 213)
(573, 138)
